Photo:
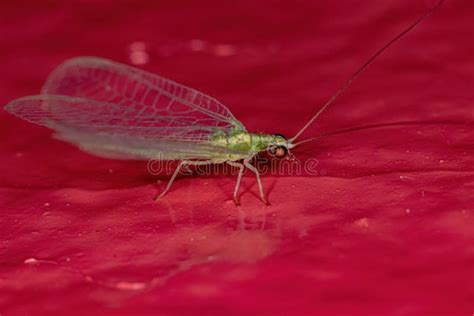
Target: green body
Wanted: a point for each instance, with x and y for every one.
(246, 143)
(234, 145)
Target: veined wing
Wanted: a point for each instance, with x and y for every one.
(185, 113)
(130, 147)
(95, 127)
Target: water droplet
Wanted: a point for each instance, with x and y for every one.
(30, 261)
(138, 53)
(223, 50)
(362, 222)
(123, 285)
(406, 179)
(197, 45)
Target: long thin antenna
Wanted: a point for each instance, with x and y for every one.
(364, 66)
(372, 126)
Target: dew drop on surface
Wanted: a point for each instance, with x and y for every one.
(223, 50)
(197, 45)
(408, 211)
(138, 53)
(30, 261)
(123, 285)
(47, 204)
(362, 222)
(406, 178)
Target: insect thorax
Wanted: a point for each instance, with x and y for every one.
(244, 141)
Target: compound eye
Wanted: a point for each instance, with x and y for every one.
(277, 151)
(272, 150)
(280, 152)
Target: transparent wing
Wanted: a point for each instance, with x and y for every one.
(138, 97)
(102, 129)
(129, 147)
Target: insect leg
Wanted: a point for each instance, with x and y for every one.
(239, 177)
(259, 182)
(176, 172)
(170, 182)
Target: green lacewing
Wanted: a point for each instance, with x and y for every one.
(117, 111)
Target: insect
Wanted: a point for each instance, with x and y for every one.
(117, 111)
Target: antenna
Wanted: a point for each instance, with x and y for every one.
(370, 126)
(364, 66)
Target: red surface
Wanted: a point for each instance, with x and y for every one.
(384, 229)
